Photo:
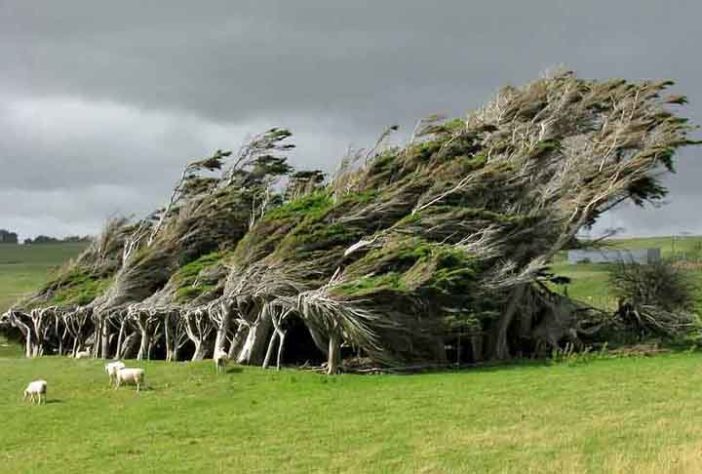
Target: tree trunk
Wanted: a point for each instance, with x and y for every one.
(27, 333)
(334, 353)
(37, 326)
(281, 344)
(255, 344)
(128, 345)
(476, 343)
(152, 343)
(501, 350)
(28, 347)
(99, 322)
(223, 329)
(200, 351)
(105, 338)
(144, 345)
(120, 339)
(269, 352)
(169, 332)
(238, 341)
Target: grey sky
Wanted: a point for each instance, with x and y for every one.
(102, 102)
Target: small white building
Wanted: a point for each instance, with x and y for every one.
(651, 255)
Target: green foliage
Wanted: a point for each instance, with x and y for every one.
(192, 280)
(311, 206)
(544, 147)
(371, 284)
(658, 284)
(412, 265)
(77, 287)
(189, 293)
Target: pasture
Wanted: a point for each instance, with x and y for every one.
(621, 415)
(23, 268)
(590, 280)
(592, 414)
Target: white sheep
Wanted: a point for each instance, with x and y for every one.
(36, 391)
(111, 369)
(220, 359)
(129, 376)
(82, 354)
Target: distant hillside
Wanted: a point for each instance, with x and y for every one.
(589, 280)
(24, 268)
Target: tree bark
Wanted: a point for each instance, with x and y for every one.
(128, 345)
(269, 352)
(501, 350)
(200, 350)
(169, 332)
(105, 338)
(281, 345)
(334, 353)
(144, 344)
(476, 343)
(98, 321)
(120, 338)
(238, 341)
(223, 328)
(252, 351)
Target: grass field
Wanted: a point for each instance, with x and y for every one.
(637, 415)
(23, 268)
(627, 415)
(589, 281)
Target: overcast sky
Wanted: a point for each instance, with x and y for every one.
(102, 102)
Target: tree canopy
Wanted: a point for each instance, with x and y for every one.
(401, 253)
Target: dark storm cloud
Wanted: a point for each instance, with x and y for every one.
(100, 102)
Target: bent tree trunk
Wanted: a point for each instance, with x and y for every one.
(198, 326)
(27, 333)
(253, 350)
(501, 348)
(200, 350)
(238, 341)
(144, 344)
(269, 352)
(223, 328)
(278, 335)
(128, 346)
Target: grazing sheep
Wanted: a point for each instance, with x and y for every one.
(220, 359)
(82, 354)
(129, 376)
(111, 369)
(36, 391)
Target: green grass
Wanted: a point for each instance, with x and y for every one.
(618, 415)
(623, 415)
(24, 268)
(590, 280)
